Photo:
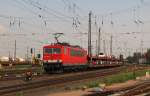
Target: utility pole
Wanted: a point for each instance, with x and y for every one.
(111, 41)
(96, 50)
(99, 41)
(141, 46)
(15, 52)
(34, 51)
(104, 47)
(27, 53)
(89, 36)
(9, 54)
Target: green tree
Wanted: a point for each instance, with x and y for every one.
(148, 56)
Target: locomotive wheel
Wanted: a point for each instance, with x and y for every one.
(46, 70)
(60, 70)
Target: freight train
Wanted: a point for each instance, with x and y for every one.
(62, 56)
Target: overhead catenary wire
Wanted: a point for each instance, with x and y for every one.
(76, 21)
(35, 13)
(45, 17)
(45, 9)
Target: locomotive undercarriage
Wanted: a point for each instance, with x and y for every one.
(59, 68)
(53, 67)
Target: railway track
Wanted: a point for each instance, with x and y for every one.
(13, 74)
(143, 87)
(58, 80)
(55, 80)
(20, 76)
(140, 89)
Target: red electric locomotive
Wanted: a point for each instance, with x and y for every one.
(60, 56)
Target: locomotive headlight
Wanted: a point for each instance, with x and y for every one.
(49, 61)
(60, 60)
(45, 61)
(53, 61)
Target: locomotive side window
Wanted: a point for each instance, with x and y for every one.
(72, 52)
(52, 50)
(65, 50)
(48, 50)
(76, 53)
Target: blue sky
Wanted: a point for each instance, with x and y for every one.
(34, 21)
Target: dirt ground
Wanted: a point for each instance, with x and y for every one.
(113, 86)
(72, 93)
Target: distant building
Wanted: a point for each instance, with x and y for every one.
(4, 59)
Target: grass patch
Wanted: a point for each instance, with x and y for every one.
(117, 78)
(19, 69)
(22, 66)
(19, 93)
(92, 84)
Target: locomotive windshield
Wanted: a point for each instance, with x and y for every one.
(52, 50)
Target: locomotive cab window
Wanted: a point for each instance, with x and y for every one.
(52, 50)
(56, 50)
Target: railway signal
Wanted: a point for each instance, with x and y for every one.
(31, 50)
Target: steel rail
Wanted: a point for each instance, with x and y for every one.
(57, 81)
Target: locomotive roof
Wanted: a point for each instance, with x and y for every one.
(65, 44)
